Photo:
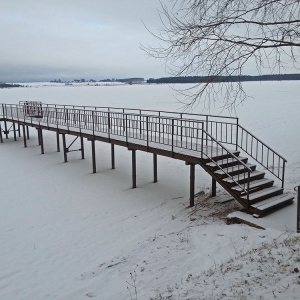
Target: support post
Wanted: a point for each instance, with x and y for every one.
(1, 137)
(39, 136)
(41, 141)
(213, 187)
(133, 152)
(154, 168)
(24, 137)
(14, 130)
(297, 188)
(19, 129)
(5, 129)
(82, 147)
(192, 185)
(57, 142)
(93, 156)
(65, 147)
(113, 156)
(27, 129)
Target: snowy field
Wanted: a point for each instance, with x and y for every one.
(66, 233)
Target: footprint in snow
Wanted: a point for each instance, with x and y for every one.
(91, 295)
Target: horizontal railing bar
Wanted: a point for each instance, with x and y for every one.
(139, 109)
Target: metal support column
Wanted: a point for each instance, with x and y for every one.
(27, 129)
(112, 156)
(1, 137)
(133, 152)
(41, 141)
(5, 129)
(82, 147)
(39, 136)
(154, 167)
(19, 129)
(297, 188)
(14, 130)
(192, 185)
(57, 142)
(94, 156)
(24, 137)
(65, 147)
(213, 187)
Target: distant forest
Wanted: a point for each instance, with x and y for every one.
(8, 85)
(204, 79)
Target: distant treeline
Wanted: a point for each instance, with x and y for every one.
(204, 79)
(9, 85)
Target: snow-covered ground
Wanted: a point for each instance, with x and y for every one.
(66, 233)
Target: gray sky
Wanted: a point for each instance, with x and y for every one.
(68, 39)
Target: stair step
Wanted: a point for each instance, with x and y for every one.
(254, 186)
(234, 170)
(224, 163)
(273, 203)
(221, 156)
(255, 175)
(263, 194)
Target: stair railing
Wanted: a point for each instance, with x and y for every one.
(262, 153)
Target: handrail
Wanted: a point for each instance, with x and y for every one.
(136, 109)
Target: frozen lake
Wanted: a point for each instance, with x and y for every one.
(70, 234)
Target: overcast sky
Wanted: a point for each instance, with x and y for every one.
(68, 39)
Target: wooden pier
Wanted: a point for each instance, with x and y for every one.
(212, 142)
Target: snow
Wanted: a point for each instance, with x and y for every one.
(69, 234)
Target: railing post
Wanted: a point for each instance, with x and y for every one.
(3, 113)
(202, 140)
(237, 134)
(19, 128)
(172, 137)
(125, 128)
(124, 121)
(93, 121)
(140, 123)
(206, 129)
(181, 128)
(147, 128)
(283, 172)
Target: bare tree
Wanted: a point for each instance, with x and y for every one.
(225, 37)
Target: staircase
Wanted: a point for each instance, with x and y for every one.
(246, 184)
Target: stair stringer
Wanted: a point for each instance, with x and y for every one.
(227, 188)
